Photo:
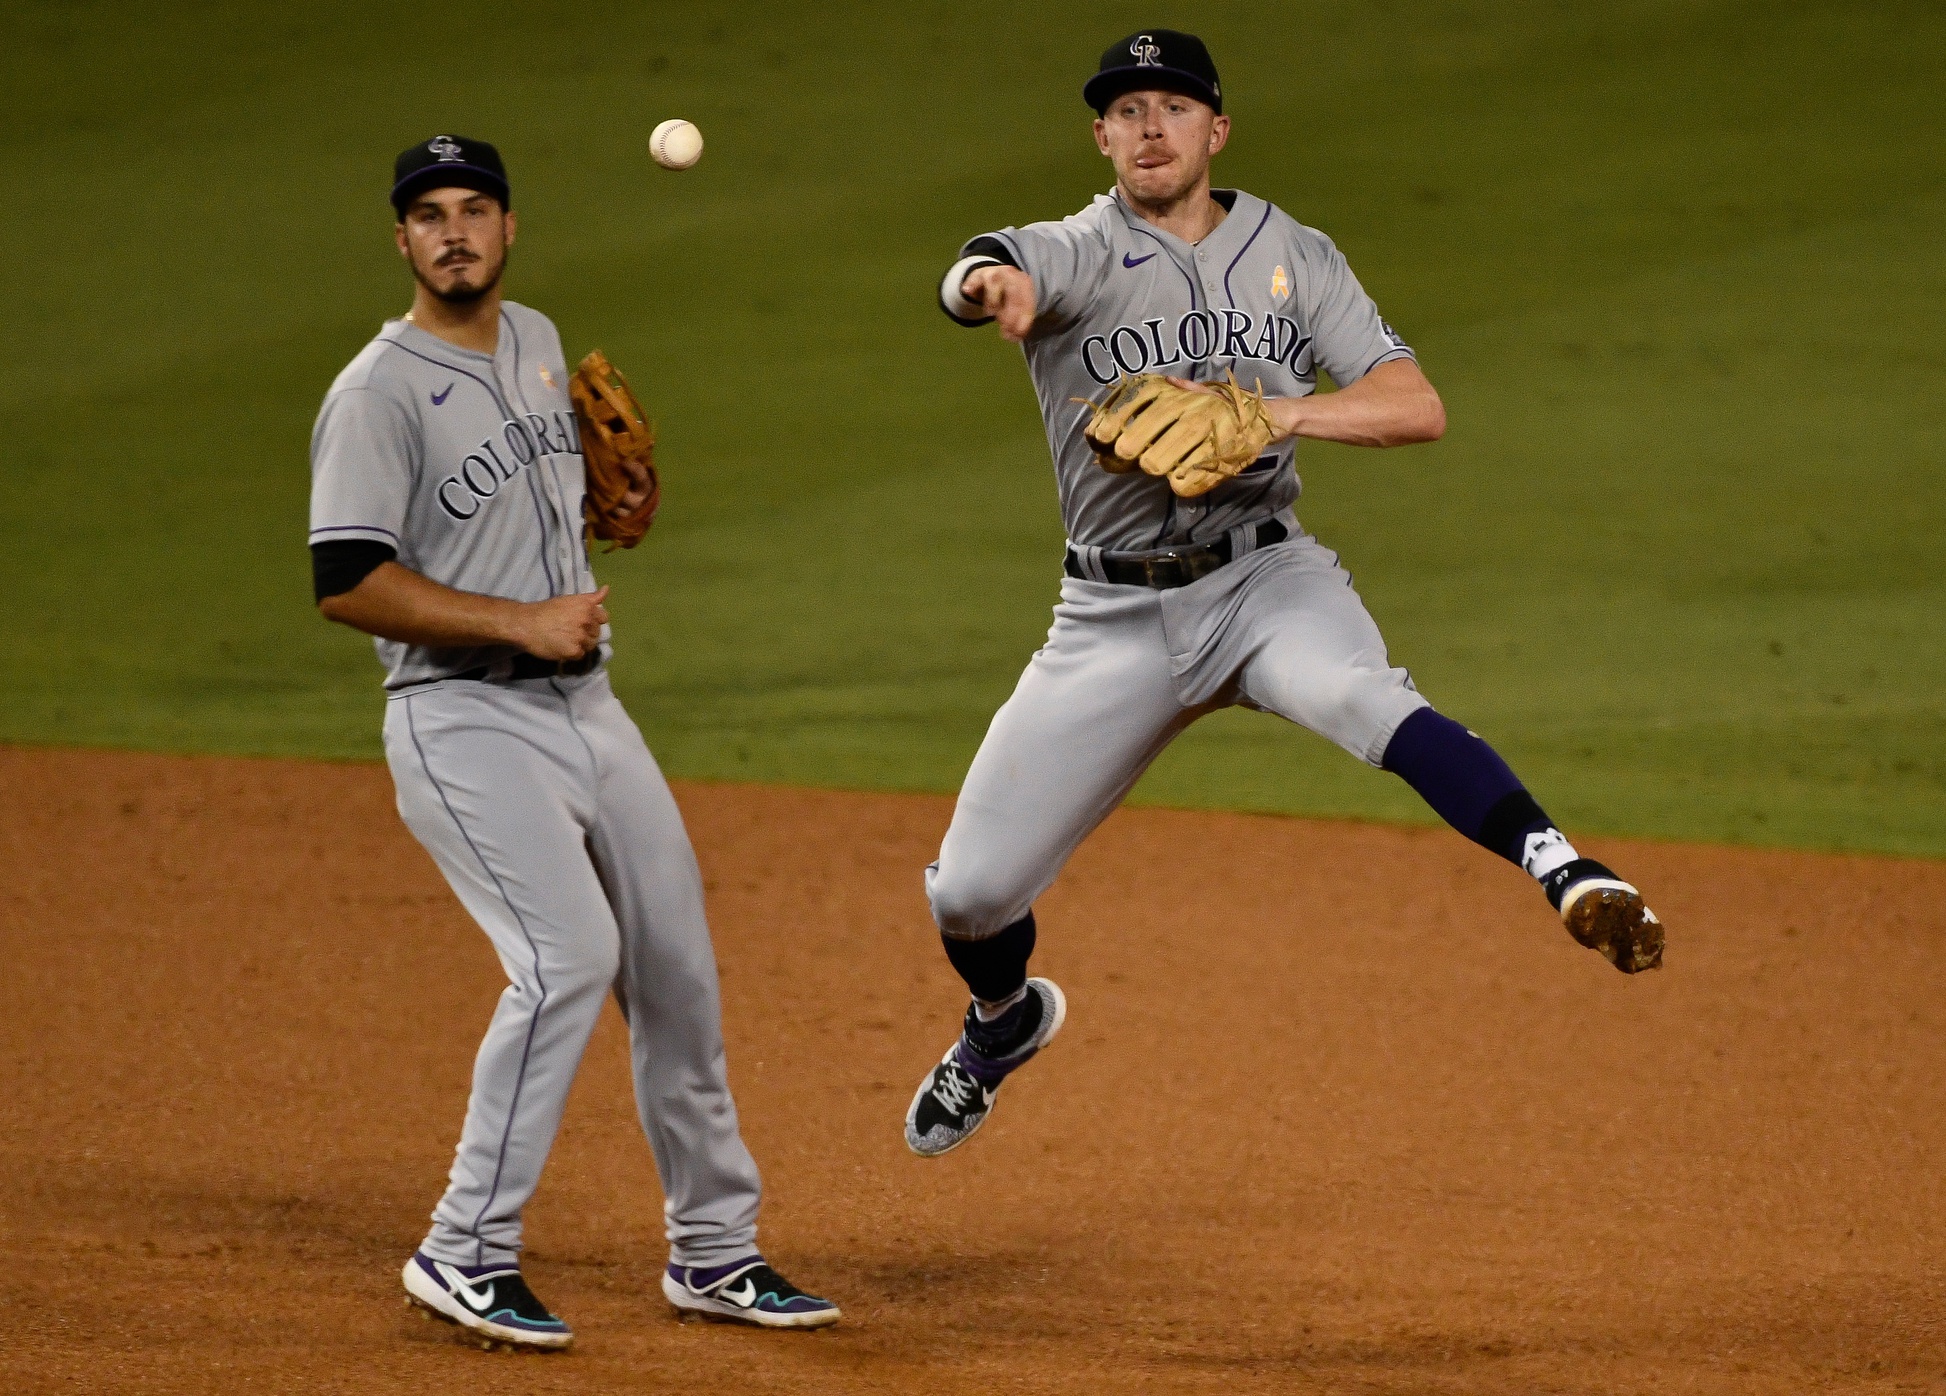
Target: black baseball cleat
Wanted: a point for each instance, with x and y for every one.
(957, 1095)
(491, 1304)
(744, 1291)
(1606, 914)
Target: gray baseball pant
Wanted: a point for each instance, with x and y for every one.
(541, 804)
(1124, 670)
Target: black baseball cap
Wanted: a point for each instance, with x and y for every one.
(1166, 60)
(448, 162)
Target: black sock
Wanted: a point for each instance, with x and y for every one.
(995, 967)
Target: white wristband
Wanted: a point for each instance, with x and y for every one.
(950, 296)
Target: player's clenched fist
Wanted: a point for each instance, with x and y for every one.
(1005, 293)
(563, 627)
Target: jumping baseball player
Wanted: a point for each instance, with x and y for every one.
(1174, 335)
(447, 521)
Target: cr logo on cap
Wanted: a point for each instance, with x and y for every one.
(445, 147)
(1146, 52)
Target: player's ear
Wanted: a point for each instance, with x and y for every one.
(1219, 134)
(1101, 135)
(398, 236)
(509, 227)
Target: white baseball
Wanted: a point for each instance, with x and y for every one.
(676, 144)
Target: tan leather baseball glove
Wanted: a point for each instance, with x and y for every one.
(618, 445)
(1195, 438)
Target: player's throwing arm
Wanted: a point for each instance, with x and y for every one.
(1002, 294)
(1174, 333)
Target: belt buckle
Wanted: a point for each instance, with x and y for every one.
(1178, 568)
(1163, 570)
(1206, 561)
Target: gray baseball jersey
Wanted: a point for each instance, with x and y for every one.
(537, 798)
(468, 464)
(1262, 296)
(1125, 668)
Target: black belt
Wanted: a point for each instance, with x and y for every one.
(1177, 567)
(525, 666)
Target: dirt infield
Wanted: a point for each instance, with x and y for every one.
(1364, 1122)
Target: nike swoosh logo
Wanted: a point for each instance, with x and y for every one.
(440, 397)
(1129, 261)
(475, 1299)
(743, 1300)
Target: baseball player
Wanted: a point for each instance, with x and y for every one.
(1190, 585)
(447, 521)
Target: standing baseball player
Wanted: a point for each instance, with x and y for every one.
(447, 520)
(1189, 584)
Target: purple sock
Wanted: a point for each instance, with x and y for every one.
(1465, 782)
(702, 1277)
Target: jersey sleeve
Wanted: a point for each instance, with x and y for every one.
(1064, 260)
(982, 252)
(340, 564)
(362, 466)
(1349, 338)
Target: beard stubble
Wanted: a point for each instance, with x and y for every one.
(463, 294)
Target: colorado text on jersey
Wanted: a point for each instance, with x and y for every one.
(1199, 335)
(481, 474)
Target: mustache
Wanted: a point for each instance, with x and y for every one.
(458, 254)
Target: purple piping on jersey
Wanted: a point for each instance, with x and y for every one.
(1189, 371)
(357, 528)
(1194, 294)
(1239, 257)
(493, 393)
(1401, 352)
(547, 569)
(533, 1022)
(508, 321)
(1209, 505)
(506, 410)
(1264, 485)
(1169, 522)
(540, 516)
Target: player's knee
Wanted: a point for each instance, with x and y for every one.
(1356, 708)
(586, 968)
(967, 908)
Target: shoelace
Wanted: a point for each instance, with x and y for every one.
(956, 1091)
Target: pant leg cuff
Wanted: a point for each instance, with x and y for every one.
(1374, 755)
(707, 1254)
(468, 1251)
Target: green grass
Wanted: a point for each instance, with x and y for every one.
(1675, 267)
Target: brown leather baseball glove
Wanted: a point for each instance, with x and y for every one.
(618, 445)
(1195, 438)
